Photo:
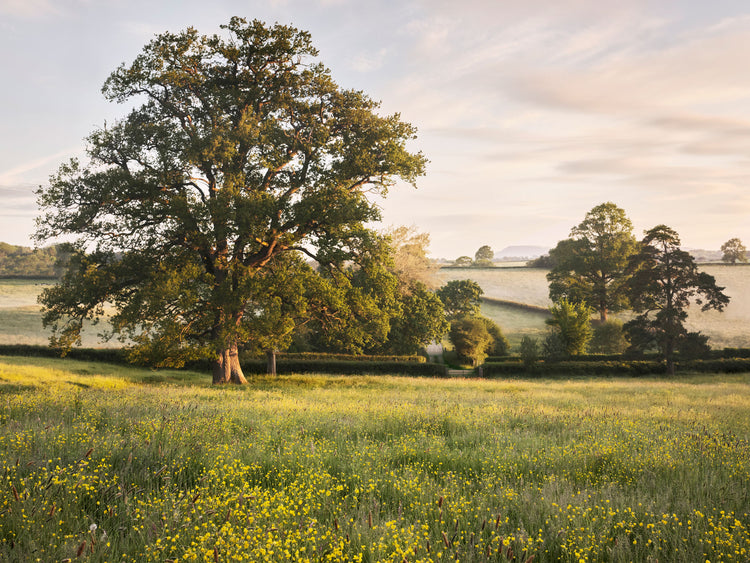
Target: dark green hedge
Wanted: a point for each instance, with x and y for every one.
(109, 355)
(633, 368)
(505, 368)
(726, 353)
(249, 365)
(341, 367)
(347, 357)
(623, 367)
(721, 365)
(496, 359)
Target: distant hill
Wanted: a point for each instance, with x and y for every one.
(702, 255)
(521, 252)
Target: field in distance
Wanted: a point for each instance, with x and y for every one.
(20, 320)
(529, 285)
(114, 463)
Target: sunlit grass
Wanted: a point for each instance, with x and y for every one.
(134, 465)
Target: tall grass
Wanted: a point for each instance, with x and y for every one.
(116, 464)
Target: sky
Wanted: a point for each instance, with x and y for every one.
(531, 113)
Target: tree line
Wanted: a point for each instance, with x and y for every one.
(24, 262)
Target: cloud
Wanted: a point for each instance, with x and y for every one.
(29, 8)
(18, 200)
(369, 62)
(20, 171)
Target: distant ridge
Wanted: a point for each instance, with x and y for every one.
(523, 252)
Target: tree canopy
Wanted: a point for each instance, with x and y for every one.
(591, 266)
(410, 261)
(664, 282)
(471, 339)
(460, 298)
(734, 251)
(483, 256)
(240, 156)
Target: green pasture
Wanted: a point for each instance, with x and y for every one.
(108, 463)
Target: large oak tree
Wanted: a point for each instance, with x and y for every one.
(591, 266)
(240, 149)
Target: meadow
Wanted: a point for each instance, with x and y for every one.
(107, 463)
(727, 329)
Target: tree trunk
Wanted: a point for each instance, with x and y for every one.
(669, 356)
(271, 362)
(227, 367)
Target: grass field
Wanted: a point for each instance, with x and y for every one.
(103, 463)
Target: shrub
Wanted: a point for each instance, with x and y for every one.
(608, 338)
(529, 351)
(498, 345)
(553, 347)
(693, 346)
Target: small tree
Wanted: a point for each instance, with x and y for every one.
(460, 298)
(463, 261)
(484, 256)
(694, 346)
(470, 339)
(734, 251)
(572, 323)
(420, 321)
(665, 280)
(554, 347)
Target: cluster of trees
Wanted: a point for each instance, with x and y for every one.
(602, 268)
(230, 207)
(482, 258)
(23, 262)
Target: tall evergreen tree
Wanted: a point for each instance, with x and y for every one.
(665, 279)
